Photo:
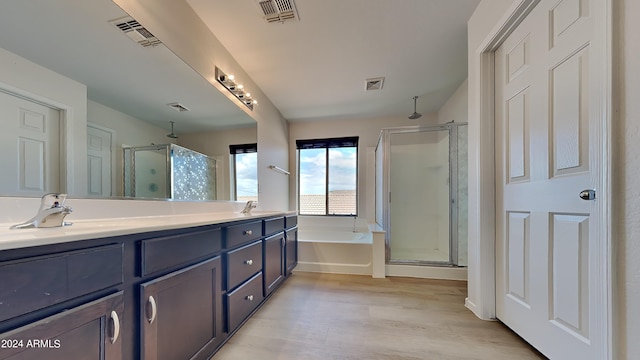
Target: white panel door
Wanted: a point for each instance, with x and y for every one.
(99, 147)
(29, 144)
(547, 290)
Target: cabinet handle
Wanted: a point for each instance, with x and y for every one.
(248, 262)
(247, 232)
(154, 309)
(116, 326)
(249, 297)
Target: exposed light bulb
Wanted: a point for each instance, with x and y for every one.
(228, 81)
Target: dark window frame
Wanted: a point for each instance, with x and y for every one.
(329, 143)
(240, 149)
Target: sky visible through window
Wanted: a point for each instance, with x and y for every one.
(247, 176)
(342, 170)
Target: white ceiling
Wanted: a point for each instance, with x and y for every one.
(311, 69)
(316, 67)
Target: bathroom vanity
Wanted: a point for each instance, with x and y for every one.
(163, 292)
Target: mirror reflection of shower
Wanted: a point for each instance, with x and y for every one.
(421, 194)
(168, 171)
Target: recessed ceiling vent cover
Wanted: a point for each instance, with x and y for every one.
(135, 31)
(278, 10)
(177, 107)
(374, 84)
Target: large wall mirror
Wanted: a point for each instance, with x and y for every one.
(133, 94)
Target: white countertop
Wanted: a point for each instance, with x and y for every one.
(84, 229)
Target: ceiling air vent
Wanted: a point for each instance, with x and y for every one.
(135, 31)
(374, 84)
(278, 10)
(178, 107)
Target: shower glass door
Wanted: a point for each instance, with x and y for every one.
(420, 196)
(147, 172)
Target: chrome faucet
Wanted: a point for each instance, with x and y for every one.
(250, 205)
(51, 214)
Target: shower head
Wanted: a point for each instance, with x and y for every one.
(172, 135)
(415, 114)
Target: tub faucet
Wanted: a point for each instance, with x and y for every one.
(51, 214)
(250, 205)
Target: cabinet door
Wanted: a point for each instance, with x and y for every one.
(291, 250)
(273, 262)
(181, 313)
(90, 331)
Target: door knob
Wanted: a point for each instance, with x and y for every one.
(588, 194)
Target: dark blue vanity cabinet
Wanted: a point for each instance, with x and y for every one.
(273, 244)
(180, 295)
(244, 272)
(174, 294)
(62, 305)
(291, 243)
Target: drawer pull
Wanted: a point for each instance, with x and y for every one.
(116, 327)
(249, 297)
(248, 262)
(154, 309)
(247, 232)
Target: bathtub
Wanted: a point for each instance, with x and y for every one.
(335, 236)
(331, 245)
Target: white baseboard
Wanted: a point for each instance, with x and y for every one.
(350, 269)
(427, 272)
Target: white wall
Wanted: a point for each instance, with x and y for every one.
(22, 77)
(216, 144)
(627, 176)
(483, 21)
(368, 131)
(455, 108)
(182, 31)
(128, 131)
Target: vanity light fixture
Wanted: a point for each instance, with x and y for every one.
(238, 90)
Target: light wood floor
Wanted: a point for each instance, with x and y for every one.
(324, 316)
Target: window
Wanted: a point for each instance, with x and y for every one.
(245, 171)
(327, 182)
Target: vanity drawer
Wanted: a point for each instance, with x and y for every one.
(272, 226)
(34, 283)
(242, 301)
(290, 221)
(164, 253)
(243, 233)
(243, 263)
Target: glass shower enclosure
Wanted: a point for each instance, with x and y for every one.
(168, 171)
(421, 194)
